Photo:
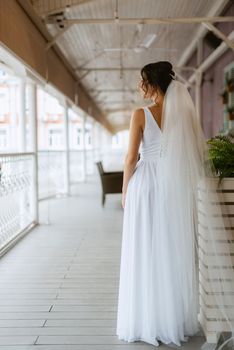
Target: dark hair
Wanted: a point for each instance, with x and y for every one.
(158, 74)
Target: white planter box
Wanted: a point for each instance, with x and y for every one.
(208, 313)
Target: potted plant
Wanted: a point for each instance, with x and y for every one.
(221, 153)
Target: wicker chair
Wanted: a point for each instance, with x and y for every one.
(112, 181)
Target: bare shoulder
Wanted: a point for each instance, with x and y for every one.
(138, 111)
(138, 116)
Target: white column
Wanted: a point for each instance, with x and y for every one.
(96, 141)
(67, 154)
(32, 105)
(42, 136)
(198, 75)
(104, 147)
(93, 143)
(102, 142)
(109, 151)
(22, 141)
(22, 115)
(198, 79)
(84, 119)
(99, 131)
(13, 121)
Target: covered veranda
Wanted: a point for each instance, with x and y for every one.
(68, 84)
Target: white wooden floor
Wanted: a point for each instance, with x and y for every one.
(59, 285)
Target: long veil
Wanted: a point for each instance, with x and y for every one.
(200, 230)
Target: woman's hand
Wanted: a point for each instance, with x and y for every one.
(123, 199)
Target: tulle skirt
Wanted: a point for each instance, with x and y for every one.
(158, 293)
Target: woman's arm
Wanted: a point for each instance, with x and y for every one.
(131, 158)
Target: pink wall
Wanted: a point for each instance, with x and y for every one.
(212, 84)
(212, 107)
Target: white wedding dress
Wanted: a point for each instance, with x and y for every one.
(155, 300)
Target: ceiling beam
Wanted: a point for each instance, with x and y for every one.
(108, 69)
(89, 60)
(215, 11)
(29, 10)
(188, 68)
(219, 34)
(57, 36)
(113, 102)
(82, 77)
(112, 90)
(134, 21)
(45, 8)
(213, 57)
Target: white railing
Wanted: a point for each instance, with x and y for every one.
(26, 178)
(82, 163)
(76, 160)
(52, 173)
(18, 196)
(89, 154)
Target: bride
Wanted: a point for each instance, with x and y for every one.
(158, 287)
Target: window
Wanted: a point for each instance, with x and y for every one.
(88, 137)
(55, 138)
(78, 139)
(116, 141)
(88, 140)
(3, 139)
(4, 102)
(53, 109)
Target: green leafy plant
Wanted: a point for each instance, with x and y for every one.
(230, 84)
(230, 111)
(221, 153)
(224, 96)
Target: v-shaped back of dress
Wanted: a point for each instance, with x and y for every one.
(152, 138)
